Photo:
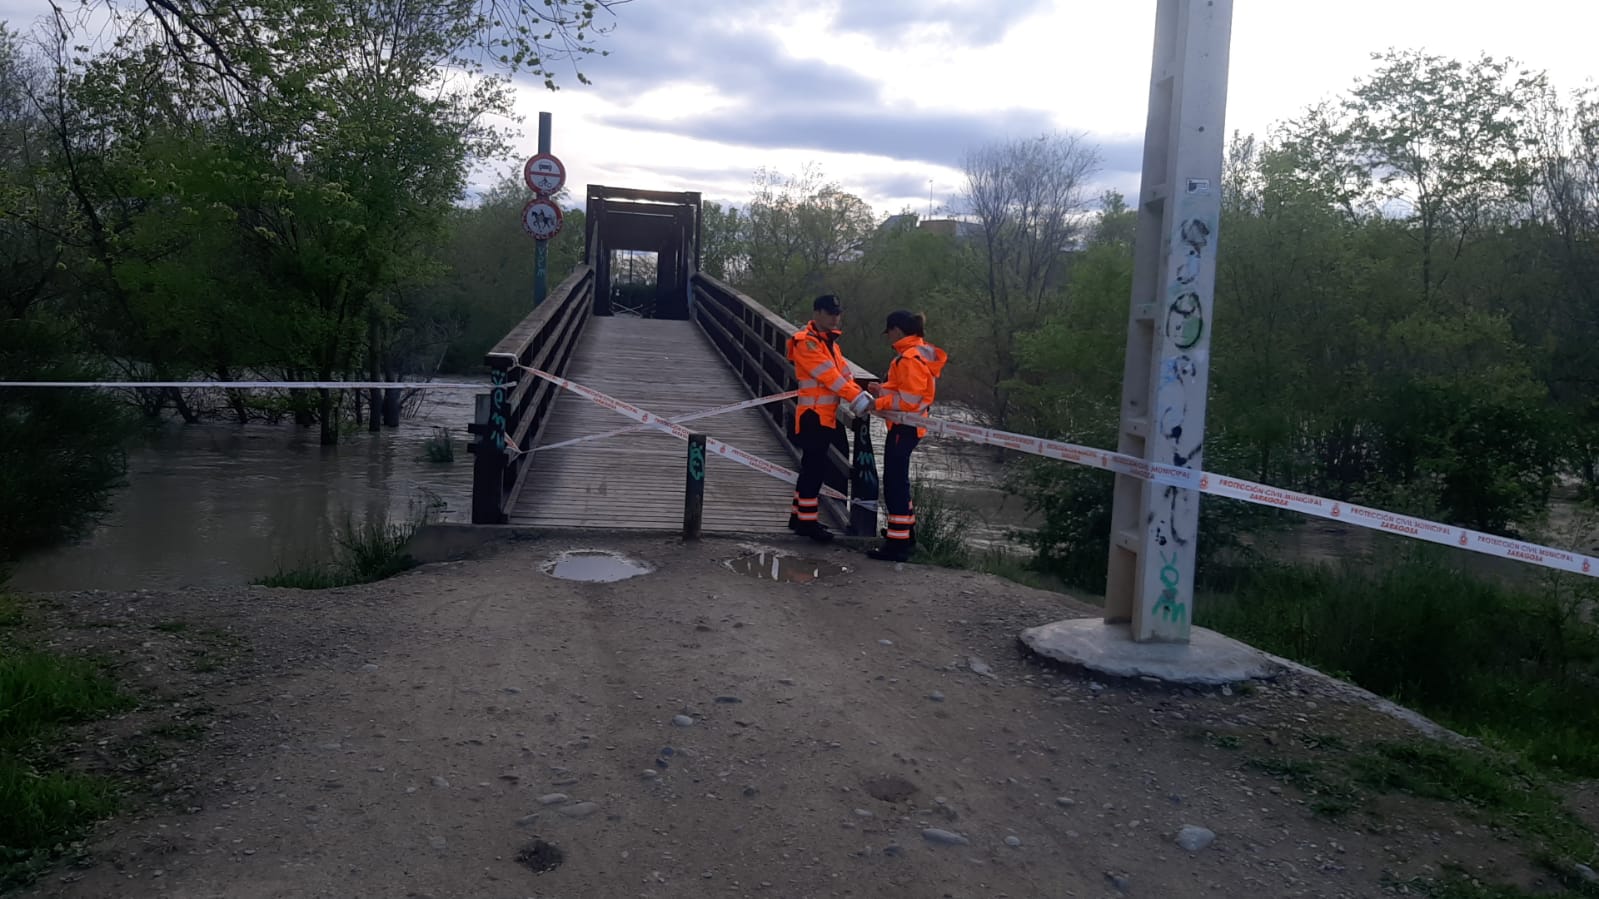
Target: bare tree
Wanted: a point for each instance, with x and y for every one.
(1031, 201)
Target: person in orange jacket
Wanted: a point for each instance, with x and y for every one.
(910, 388)
(824, 382)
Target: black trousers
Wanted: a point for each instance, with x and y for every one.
(897, 449)
(815, 439)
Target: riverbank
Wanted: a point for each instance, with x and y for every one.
(872, 732)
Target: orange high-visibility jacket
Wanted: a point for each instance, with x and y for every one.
(912, 378)
(823, 375)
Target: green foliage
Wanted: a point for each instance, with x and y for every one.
(42, 809)
(61, 452)
(1486, 785)
(371, 550)
(941, 526)
(1510, 664)
(439, 448)
(795, 233)
(490, 259)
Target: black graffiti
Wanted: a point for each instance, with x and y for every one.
(1185, 321)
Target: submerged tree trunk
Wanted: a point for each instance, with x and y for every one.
(328, 409)
(374, 395)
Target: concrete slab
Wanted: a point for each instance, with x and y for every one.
(1208, 657)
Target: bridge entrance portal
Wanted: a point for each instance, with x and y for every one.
(625, 226)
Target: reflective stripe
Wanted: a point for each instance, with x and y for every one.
(837, 383)
(902, 519)
(810, 503)
(829, 400)
(807, 382)
(898, 535)
(821, 369)
(926, 352)
(807, 516)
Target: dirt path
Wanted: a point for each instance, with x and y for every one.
(410, 738)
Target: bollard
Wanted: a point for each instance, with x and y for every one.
(694, 488)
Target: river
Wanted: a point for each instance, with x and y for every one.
(220, 503)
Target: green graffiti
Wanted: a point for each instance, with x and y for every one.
(1167, 606)
(696, 461)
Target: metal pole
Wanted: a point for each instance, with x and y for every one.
(1164, 385)
(541, 253)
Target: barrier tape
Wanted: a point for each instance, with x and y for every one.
(259, 385)
(650, 419)
(1262, 494)
(1119, 463)
(681, 419)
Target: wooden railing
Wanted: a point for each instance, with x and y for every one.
(515, 413)
(754, 341)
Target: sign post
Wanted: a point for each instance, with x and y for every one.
(545, 176)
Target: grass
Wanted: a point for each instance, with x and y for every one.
(12, 612)
(941, 529)
(1516, 666)
(42, 809)
(369, 551)
(1494, 787)
(439, 448)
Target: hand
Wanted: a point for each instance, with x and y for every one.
(875, 388)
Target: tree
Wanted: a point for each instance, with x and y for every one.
(722, 252)
(60, 452)
(1029, 198)
(797, 230)
(1432, 140)
(246, 45)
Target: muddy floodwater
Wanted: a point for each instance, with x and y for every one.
(219, 503)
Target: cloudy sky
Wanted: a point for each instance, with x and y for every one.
(886, 95)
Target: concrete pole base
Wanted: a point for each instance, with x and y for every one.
(1109, 649)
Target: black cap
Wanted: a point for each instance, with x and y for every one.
(828, 303)
(903, 320)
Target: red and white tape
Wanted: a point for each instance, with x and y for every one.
(1262, 494)
(681, 419)
(659, 423)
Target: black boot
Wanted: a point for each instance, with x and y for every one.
(815, 531)
(893, 551)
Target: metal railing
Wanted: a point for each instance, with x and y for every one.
(754, 341)
(515, 413)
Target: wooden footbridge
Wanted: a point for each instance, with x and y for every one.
(699, 345)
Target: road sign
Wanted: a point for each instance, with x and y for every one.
(542, 218)
(544, 174)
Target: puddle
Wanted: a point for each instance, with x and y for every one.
(541, 856)
(770, 566)
(890, 789)
(594, 566)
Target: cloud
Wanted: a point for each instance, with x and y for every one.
(971, 22)
(938, 138)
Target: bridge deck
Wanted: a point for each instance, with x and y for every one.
(636, 481)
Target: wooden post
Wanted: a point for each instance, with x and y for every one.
(694, 488)
(488, 454)
(863, 482)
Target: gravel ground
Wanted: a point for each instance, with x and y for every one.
(481, 729)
